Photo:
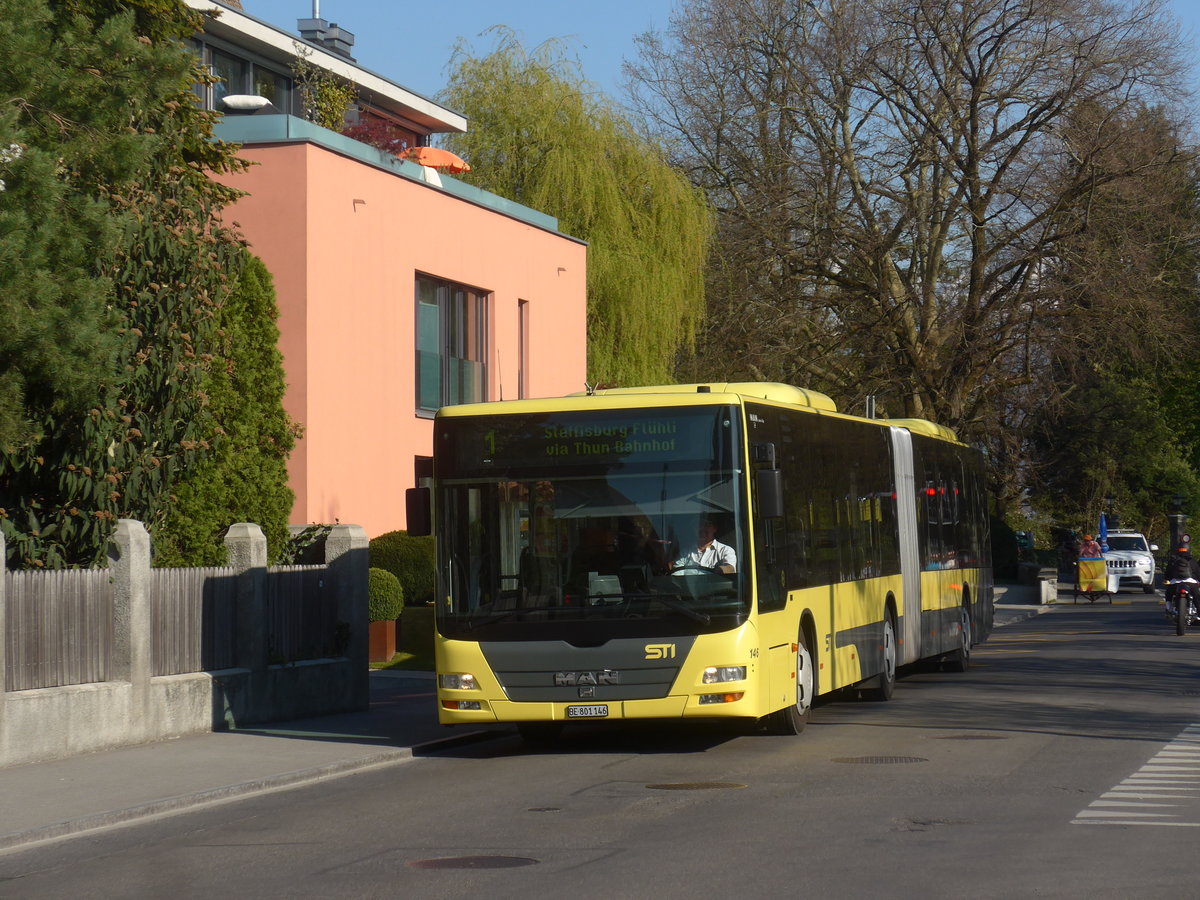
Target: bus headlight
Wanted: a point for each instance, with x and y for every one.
(718, 674)
(458, 682)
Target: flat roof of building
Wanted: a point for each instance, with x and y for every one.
(273, 44)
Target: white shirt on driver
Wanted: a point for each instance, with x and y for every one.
(714, 555)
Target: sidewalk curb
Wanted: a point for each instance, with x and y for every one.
(212, 796)
(169, 805)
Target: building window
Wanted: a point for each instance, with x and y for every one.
(240, 75)
(451, 344)
(234, 74)
(522, 349)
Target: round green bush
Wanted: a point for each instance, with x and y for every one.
(387, 596)
(409, 558)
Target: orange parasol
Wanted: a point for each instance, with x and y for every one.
(436, 158)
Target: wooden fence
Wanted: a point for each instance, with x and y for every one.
(301, 615)
(194, 619)
(58, 628)
(59, 624)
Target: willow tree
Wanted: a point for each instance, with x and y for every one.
(543, 136)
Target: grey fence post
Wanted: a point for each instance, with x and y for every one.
(346, 555)
(132, 652)
(3, 644)
(247, 549)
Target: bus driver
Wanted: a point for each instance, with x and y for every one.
(709, 553)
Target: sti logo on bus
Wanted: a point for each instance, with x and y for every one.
(660, 651)
(569, 679)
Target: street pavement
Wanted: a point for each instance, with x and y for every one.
(59, 798)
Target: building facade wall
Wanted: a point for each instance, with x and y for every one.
(345, 242)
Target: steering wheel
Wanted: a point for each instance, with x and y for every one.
(697, 567)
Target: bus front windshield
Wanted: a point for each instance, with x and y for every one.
(586, 526)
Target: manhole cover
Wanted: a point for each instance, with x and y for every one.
(974, 737)
(879, 760)
(472, 862)
(695, 786)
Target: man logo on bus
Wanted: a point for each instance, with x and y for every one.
(573, 679)
(660, 651)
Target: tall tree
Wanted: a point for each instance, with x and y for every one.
(890, 178)
(1122, 424)
(542, 136)
(244, 478)
(103, 112)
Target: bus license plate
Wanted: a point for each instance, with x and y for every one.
(587, 712)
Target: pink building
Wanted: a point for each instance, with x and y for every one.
(400, 289)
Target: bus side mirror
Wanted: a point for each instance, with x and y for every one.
(770, 494)
(417, 511)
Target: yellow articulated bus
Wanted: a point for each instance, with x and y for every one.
(695, 551)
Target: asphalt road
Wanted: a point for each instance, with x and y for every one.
(1065, 763)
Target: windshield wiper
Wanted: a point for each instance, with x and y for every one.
(680, 607)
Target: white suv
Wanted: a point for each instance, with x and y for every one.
(1129, 556)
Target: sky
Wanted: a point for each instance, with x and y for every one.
(411, 43)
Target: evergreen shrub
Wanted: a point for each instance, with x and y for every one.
(386, 596)
(411, 559)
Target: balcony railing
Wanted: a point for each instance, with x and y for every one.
(262, 129)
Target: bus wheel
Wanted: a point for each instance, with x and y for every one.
(886, 680)
(960, 660)
(540, 733)
(792, 719)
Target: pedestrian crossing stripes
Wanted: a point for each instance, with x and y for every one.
(1165, 791)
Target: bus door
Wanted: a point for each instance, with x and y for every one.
(910, 567)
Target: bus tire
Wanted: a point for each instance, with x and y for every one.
(885, 684)
(960, 660)
(792, 719)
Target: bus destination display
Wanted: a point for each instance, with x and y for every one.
(539, 440)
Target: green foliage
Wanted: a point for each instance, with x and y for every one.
(411, 559)
(158, 20)
(244, 478)
(542, 136)
(325, 97)
(1117, 439)
(139, 263)
(1004, 550)
(63, 130)
(387, 596)
(306, 547)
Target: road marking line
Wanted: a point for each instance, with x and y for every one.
(1132, 803)
(1132, 822)
(1172, 773)
(1138, 795)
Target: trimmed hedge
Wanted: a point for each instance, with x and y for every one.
(411, 559)
(416, 634)
(386, 596)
